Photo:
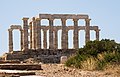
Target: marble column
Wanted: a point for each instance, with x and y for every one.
(55, 39)
(21, 40)
(34, 31)
(10, 40)
(38, 37)
(45, 39)
(97, 34)
(63, 40)
(75, 38)
(66, 39)
(51, 46)
(25, 34)
(30, 24)
(87, 30)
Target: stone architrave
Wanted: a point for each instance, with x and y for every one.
(63, 40)
(38, 34)
(51, 46)
(10, 40)
(75, 39)
(45, 39)
(87, 30)
(25, 34)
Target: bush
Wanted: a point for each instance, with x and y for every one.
(112, 57)
(101, 65)
(75, 61)
(96, 55)
(89, 64)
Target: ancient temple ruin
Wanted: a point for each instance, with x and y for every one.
(34, 26)
(31, 29)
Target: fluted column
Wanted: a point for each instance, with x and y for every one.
(38, 37)
(34, 34)
(87, 33)
(63, 40)
(45, 39)
(10, 40)
(66, 39)
(30, 24)
(75, 38)
(97, 34)
(51, 46)
(21, 40)
(55, 39)
(25, 34)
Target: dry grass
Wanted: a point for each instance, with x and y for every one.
(89, 64)
(101, 56)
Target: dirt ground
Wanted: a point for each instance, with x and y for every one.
(59, 70)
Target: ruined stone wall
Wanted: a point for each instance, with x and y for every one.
(31, 29)
(45, 55)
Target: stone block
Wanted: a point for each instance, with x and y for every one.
(63, 59)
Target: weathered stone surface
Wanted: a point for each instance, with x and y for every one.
(44, 55)
(25, 34)
(9, 61)
(63, 59)
(15, 73)
(44, 48)
(34, 31)
(21, 66)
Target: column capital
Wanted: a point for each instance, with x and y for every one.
(37, 19)
(51, 19)
(30, 23)
(56, 30)
(63, 19)
(33, 18)
(97, 30)
(75, 19)
(87, 20)
(25, 18)
(21, 29)
(45, 29)
(10, 29)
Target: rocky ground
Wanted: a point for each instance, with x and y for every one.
(59, 70)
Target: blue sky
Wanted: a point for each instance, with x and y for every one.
(104, 13)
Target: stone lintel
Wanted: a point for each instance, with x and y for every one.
(15, 27)
(60, 16)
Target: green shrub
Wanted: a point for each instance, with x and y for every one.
(101, 65)
(70, 61)
(89, 64)
(112, 57)
(75, 61)
(96, 54)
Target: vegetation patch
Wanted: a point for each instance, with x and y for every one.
(96, 55)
